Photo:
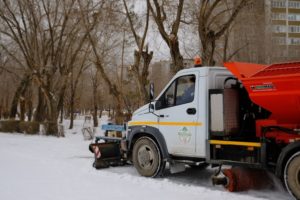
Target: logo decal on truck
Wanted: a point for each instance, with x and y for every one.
(263, 87)
(184, 135)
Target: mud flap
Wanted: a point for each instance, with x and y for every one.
(107, 154)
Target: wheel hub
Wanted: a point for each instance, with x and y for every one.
(145, 156)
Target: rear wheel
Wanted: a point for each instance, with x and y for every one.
(146, 157)
(292, 175)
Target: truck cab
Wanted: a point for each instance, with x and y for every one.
(179, 113)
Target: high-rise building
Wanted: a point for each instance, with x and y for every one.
(285, 28)
(268, 31)
(249, 33)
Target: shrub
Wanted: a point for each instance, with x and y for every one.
(10, 126)
(29, 127)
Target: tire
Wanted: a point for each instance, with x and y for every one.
(146, 157)
(292, 175)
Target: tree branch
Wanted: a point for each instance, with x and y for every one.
(176, 23)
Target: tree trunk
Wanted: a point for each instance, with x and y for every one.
(137, 76)
(5, 108)
(52, 113)
(177, 59)
(100, 113)
(72, 111)
(109, 110)
(208, 58)
(22, 109)
(61, 114)
(119, 116)
(147, 57)
(19, 92)
(60, 105)
(208, 49)
(142, 77)
(0, 111)
(40, 110)
(95, 116)
(95, 109)
(29, 109)
(28, 103)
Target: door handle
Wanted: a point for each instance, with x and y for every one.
(162, 116)
(191, 111)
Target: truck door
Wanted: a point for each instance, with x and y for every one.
(177, 108)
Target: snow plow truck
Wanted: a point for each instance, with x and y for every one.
(243, 114)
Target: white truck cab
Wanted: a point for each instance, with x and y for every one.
(179, 113)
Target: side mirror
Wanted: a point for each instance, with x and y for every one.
(151, 92)
(151, 107)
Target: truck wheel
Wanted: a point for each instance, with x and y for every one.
(292, 175)
(146, 157)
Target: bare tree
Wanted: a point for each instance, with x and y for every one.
(214, 19)
(141, 53)
(170, 37)
(75, 77)
(22, 21)
(99, 31)
(49, 37)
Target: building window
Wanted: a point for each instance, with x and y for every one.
(282, 16)
(294, 4)
(279, 40)
(294, 17)
(282, 4)
(279, 4)
(279, 29)
(278, 16)
(294, 41)
(294, 29)
(294, 52)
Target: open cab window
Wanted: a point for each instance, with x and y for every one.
(181, 91)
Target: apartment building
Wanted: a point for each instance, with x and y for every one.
(268, 31)
(285, 19)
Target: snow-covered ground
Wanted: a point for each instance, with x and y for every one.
(42, 168)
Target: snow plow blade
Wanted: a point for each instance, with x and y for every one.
(108, 152)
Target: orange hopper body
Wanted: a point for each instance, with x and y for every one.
(274, 87)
